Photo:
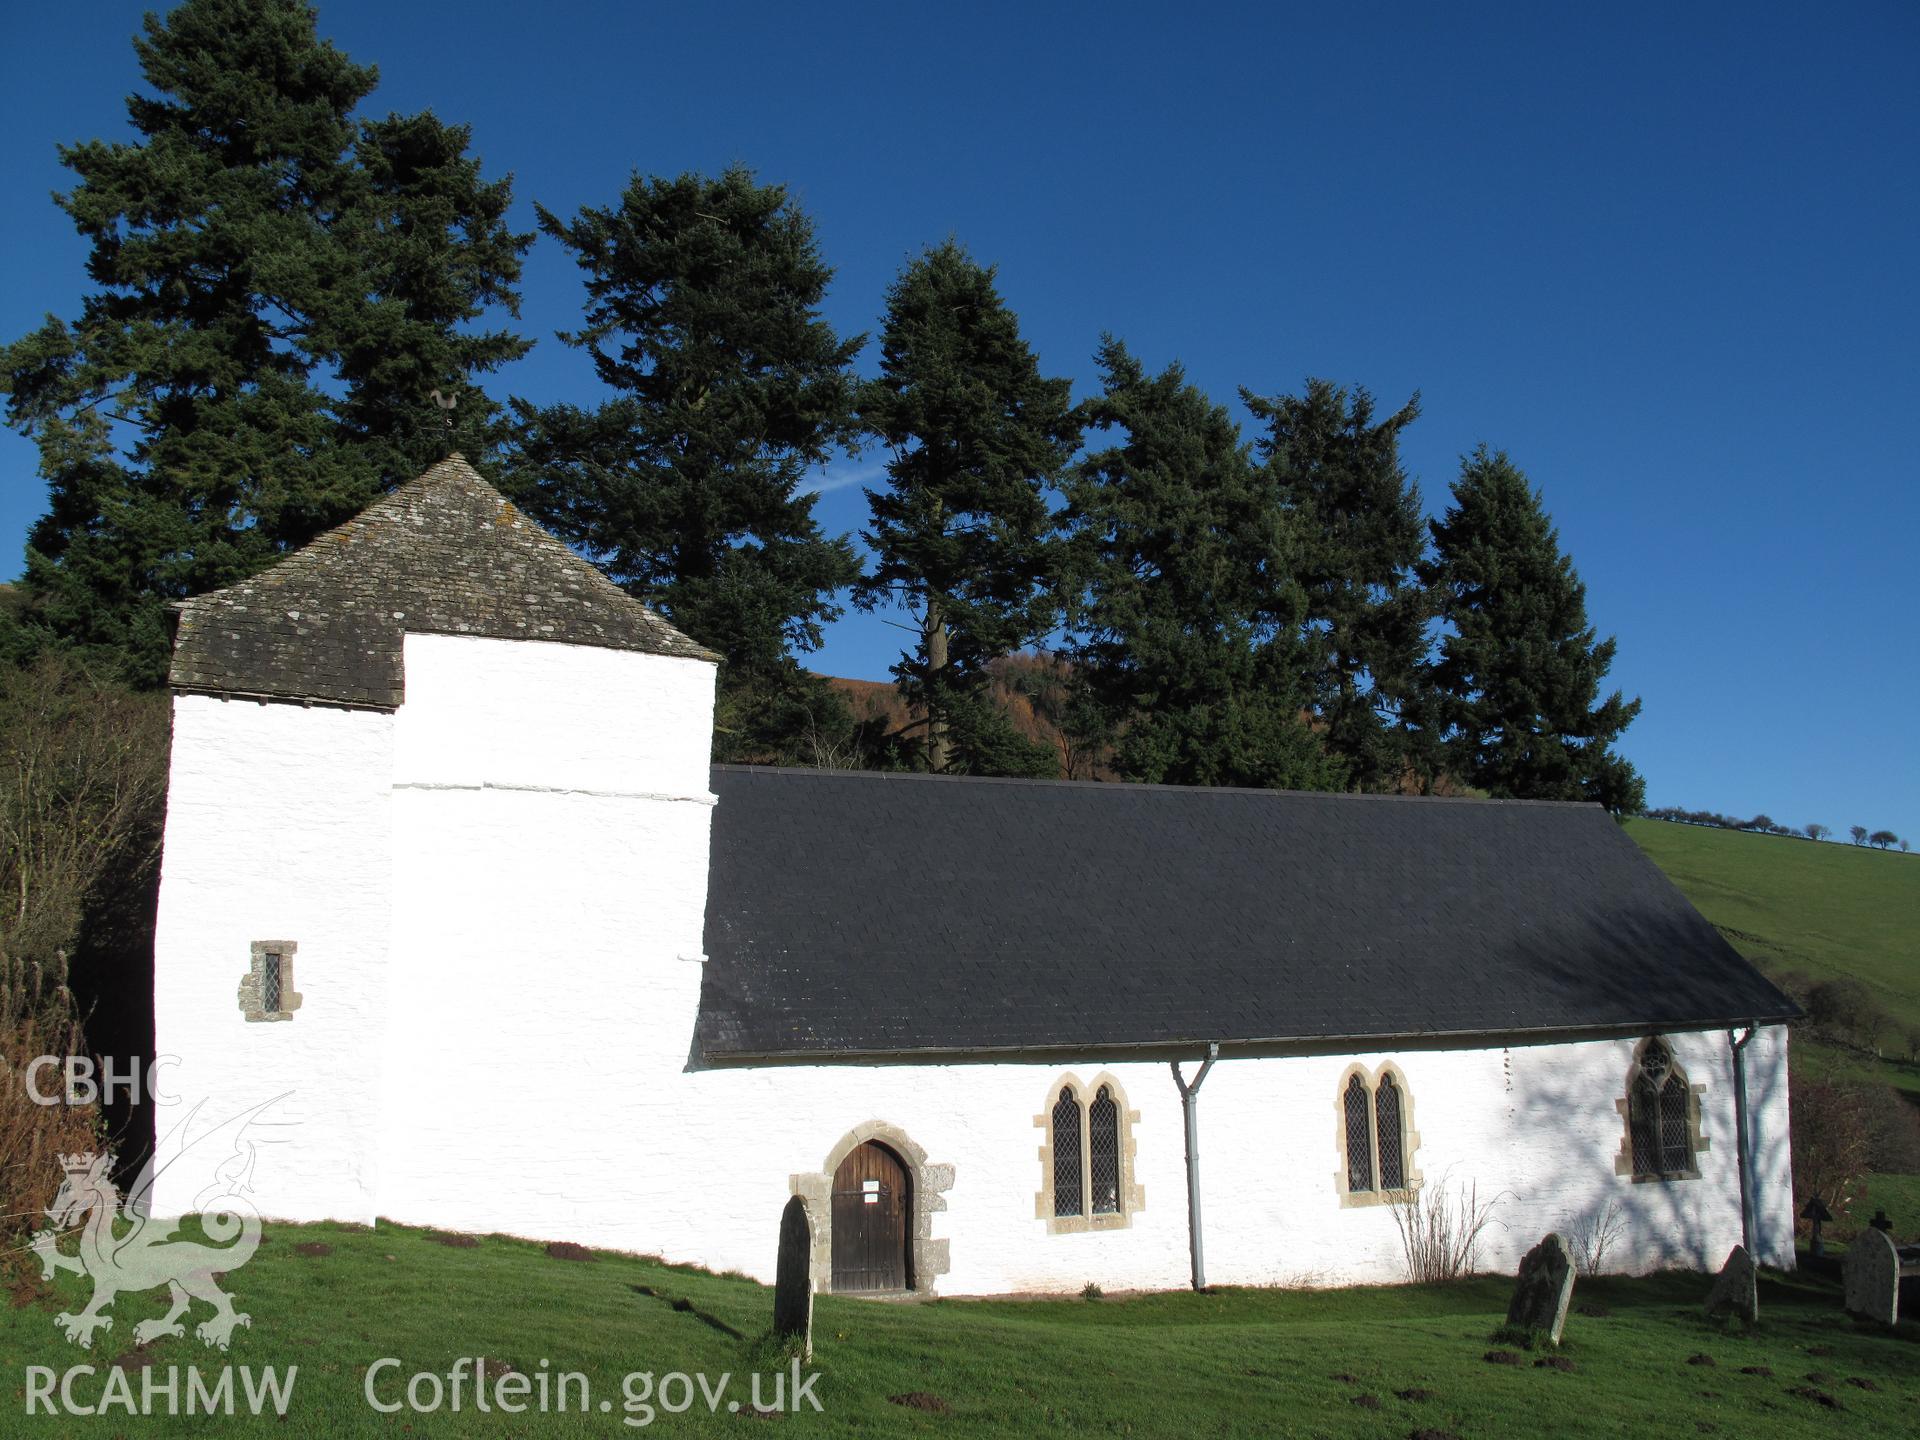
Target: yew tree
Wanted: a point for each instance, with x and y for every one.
(727, 389)
(1520, 671)
(277, 285)
(1358, 535)
(962, 532)
(1186, 623)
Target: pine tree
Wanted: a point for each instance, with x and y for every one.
(278, 289)
(703, 317)
(1359, 535)
(962, 532)
(1186, 627)
(1520, 673)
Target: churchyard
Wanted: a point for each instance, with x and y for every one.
(445, 760)
(1638, 1355)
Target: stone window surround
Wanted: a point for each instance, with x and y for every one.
(1410, 1137)
(1698, 1142)
(929, 1258)
(1133, 1195)
(253, 983)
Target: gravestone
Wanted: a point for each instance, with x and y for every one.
(1816, 1214)
(1737, 1290)
(1543, 1289)
(793, 1280)
(1871, 1274)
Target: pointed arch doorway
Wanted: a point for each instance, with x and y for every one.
(872, 1222)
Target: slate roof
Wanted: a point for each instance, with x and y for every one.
(445, 554)
(855, 914)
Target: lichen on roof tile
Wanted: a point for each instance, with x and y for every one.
(444, 554)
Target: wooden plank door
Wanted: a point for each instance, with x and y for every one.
(871, 1203)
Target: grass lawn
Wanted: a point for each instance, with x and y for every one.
(1899, 1196)
(1231, 1363)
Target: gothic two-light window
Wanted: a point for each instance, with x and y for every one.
(1087, 1162)
(1377, 1142)
(1663, 1139)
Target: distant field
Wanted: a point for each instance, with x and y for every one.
(1825, 909)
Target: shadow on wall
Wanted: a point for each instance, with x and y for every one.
(1662, 1223)
(112, 981)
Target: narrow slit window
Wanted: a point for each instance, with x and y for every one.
(1386, 1104)
(1103, 1139)
(1643, 1124)
(267, 988)
(1067, 1195)
(1676, 1153)
(1359, 1141)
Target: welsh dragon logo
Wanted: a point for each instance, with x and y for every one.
(122, 1248)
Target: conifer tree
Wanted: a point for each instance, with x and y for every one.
(962, 532)
(278, 289)
(1186, 625)
(703, 318)
(1520, 672)
(1359, 535)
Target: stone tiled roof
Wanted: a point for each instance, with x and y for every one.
(444, 554)
(891, 915)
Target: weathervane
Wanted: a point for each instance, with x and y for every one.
(446, 404)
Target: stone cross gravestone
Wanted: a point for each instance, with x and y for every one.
(1871, 1274)
(1543, 1289)
(1737, 1290)
(793, 1281)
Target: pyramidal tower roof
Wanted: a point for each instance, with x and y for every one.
(444, 554)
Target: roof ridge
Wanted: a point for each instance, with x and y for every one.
(1127, 785)
(315, 551)
(445, 552)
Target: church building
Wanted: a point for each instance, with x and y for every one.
(449, 871)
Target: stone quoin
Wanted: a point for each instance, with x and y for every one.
(562, 977)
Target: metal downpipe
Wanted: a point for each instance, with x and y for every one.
(1190, 1105)
(1741, 1158)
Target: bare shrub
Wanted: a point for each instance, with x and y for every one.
(1797, 985)
(1440, 1227)
(1590, 1236)
(828, 750)
(1893, 1131)
(1832, 1145)
(1847, 1010)
(33, 1136)
(83, 769)
(83, 783)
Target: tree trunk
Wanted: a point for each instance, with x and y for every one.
(936, 638)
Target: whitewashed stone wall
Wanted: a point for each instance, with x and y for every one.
(551, 819)
(499, 894)
(1533, 1127)
(277, 829)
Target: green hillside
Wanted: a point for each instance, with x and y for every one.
(1825, 910)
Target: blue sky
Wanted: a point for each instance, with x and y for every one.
(1665, 256)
